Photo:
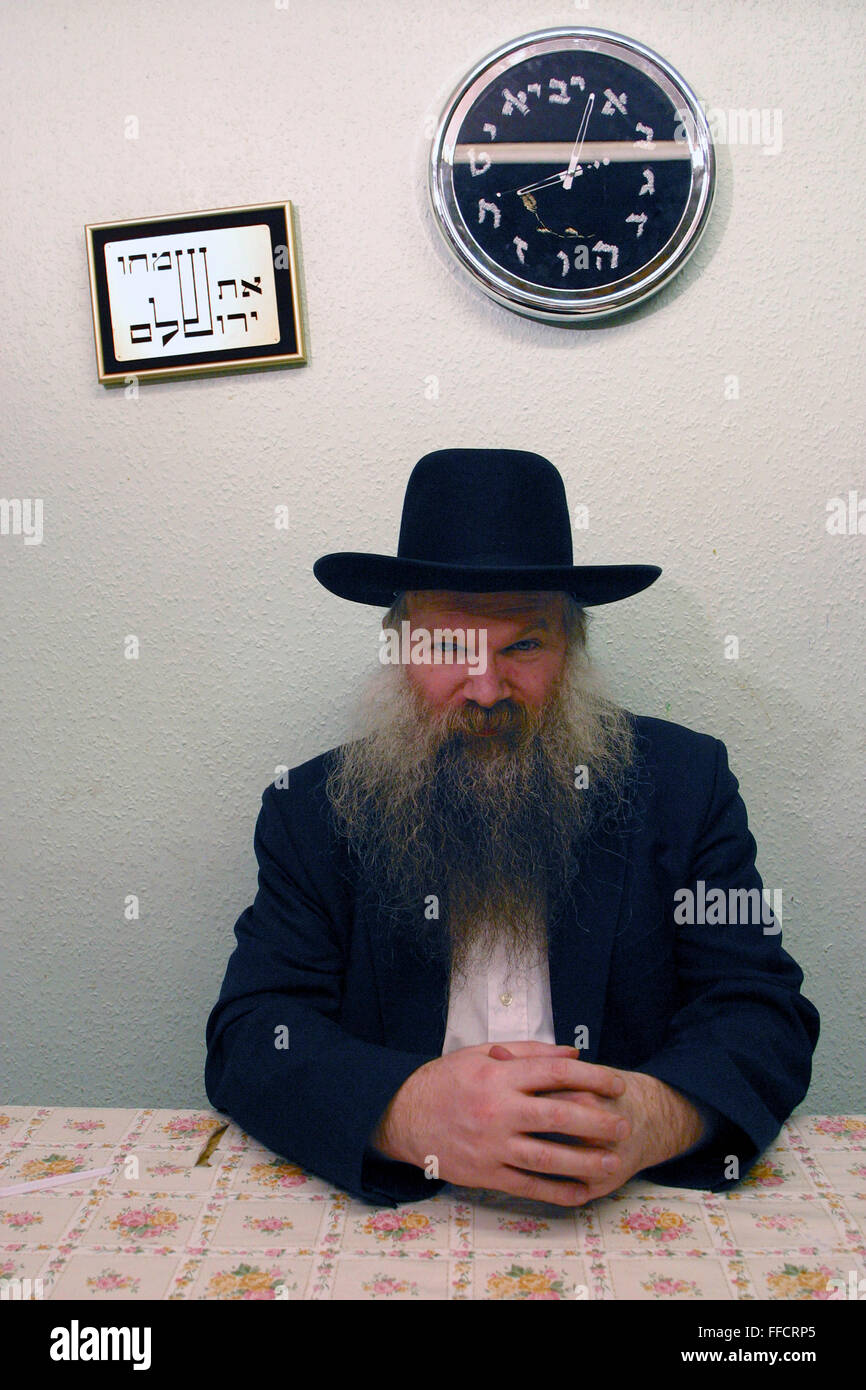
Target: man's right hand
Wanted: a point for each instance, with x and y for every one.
(479, 1118)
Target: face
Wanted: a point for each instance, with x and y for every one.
(525, 651)
(465, 784)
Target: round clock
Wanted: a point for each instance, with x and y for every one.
(572, 173)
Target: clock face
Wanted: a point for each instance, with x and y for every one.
(572, 173)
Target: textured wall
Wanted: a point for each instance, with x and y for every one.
(145, 776)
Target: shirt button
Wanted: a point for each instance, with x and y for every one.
(506, 999)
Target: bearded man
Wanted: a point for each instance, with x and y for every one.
(474, 955)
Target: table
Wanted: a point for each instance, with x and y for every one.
(184, 1205)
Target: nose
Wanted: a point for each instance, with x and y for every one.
(487, 688)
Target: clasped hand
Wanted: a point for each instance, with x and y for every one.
(488, 1124)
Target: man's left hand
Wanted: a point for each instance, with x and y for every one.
(661, 1123)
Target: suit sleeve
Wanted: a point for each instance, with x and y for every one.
(278, 1060)
(740, 1043)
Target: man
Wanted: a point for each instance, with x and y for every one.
(480, 951)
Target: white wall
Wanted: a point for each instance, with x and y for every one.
(145, 777)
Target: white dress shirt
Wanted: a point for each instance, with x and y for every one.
(494, 1004)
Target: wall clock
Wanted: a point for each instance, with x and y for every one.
(572, 174)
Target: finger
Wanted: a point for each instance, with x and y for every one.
(559, 1193)
(587, 1100)
(522, 1047)
(582, 1098)
(567, 1074)
(550, 1159)
(503, 1054)
(561, 1116)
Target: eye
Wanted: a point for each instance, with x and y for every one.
(526, 644)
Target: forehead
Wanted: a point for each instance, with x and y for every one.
(501, 606)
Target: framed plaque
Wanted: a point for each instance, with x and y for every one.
(195, 294)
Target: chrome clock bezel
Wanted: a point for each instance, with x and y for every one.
(553, 305)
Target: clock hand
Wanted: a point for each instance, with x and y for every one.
(542, 183)
(566, 176)
(578, 144)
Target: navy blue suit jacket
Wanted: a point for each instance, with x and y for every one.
(714, 1011)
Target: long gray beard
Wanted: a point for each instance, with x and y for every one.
(494, 827)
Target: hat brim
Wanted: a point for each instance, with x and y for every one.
(378, 579)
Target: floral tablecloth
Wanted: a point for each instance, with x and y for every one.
(177, 1204)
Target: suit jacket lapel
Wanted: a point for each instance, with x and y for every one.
(580, 940)
(412, 985)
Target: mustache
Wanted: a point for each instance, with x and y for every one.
(505, 717)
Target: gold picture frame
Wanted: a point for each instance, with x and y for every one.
(195, 294)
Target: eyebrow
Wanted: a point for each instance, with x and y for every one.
(532, 625)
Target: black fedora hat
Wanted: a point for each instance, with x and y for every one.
(477, 521)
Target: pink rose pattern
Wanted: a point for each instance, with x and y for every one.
(852, 1128)
(401, 1232)
(663, 1286)
(109, 1281)
(395, 1225)
(278, 1175)
(19, 1220)
(765, 1174)
(778, 1221)
(268, 1223)
(389, 1286)
(661, 1224)
(523, 1225)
